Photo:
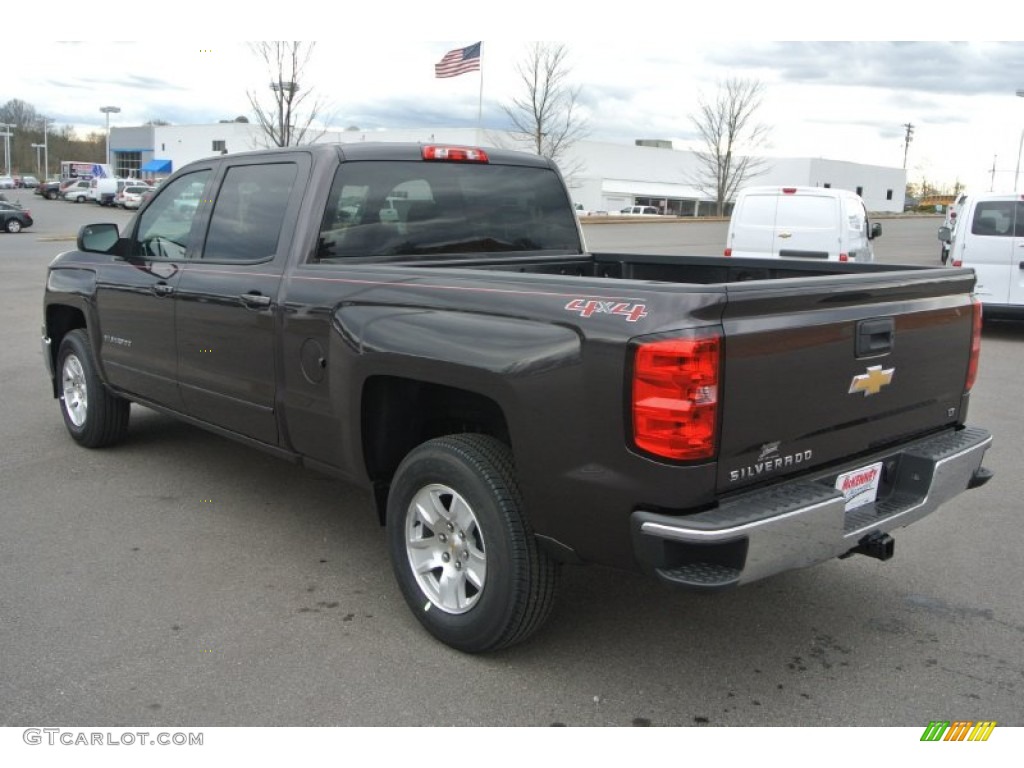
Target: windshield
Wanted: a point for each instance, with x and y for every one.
(383, 210)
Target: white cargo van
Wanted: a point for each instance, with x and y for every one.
(989, 238)
(802, 223)
(104, 191)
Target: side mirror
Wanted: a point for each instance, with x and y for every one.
(876, 230)
(945, 234)
(98, 238)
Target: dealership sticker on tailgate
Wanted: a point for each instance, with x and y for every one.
(860, 486)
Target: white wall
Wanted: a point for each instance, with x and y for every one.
(601, 175)
(181, 144)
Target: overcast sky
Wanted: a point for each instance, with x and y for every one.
(838, 100)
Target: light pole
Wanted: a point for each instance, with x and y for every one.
(7, 133)
(46, 152)
(284, 92)
(108, 111)
(39, 165)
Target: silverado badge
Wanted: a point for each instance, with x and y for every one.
(871, 383)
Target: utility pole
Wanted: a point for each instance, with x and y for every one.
(909, 137)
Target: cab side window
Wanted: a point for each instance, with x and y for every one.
(165, 226)
(249, 212)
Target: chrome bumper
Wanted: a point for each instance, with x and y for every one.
(803, 522)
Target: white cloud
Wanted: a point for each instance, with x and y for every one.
(836, 100)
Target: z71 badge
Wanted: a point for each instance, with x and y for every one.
(589, 307)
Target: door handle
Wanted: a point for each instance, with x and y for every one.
(255, 300)
(162, 289)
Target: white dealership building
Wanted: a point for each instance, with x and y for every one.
(602, 176)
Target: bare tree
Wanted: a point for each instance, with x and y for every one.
(547, 118)
(288, 120)
(729, 134)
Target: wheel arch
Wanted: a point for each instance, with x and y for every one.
(398, 414)
(61, 319)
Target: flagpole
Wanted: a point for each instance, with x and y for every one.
(480, 100)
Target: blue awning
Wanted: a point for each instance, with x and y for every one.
(157, 166)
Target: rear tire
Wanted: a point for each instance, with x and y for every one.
(93, 416)
(463, 553)
(13, 226)
(51, 195)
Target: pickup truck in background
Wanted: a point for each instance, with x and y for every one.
(426, 321)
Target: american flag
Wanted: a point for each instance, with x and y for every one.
(458, 61)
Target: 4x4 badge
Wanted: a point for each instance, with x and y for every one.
(871, 383)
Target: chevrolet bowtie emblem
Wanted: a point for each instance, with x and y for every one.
(871, 383)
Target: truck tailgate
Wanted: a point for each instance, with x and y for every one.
(819, 370)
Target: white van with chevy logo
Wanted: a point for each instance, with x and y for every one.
(989, 238)
(801, 223)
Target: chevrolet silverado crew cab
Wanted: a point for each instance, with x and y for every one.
(427, 322)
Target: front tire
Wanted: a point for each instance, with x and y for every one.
(461, 549)
(93, 416)
(13, 226)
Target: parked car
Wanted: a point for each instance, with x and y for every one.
(14, 218)
(49, 190)
(989, 238)
(105, 191)
(581, 211)
(26, 182)
(6, 182)
(131, 195)
(802, 223)
(639, 210)
(77, 191)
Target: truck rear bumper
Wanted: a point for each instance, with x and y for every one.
(802, 522)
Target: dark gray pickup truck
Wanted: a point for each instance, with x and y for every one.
(426, 321)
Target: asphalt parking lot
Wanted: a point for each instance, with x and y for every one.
(181, 578)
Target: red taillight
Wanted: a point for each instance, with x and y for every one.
(728, 252)
(675, 396)
(844, 257)
(455, 154)
(789, 190)
(957, 263)
(972, 365)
